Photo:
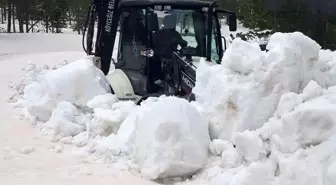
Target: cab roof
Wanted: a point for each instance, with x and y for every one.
(173, 3)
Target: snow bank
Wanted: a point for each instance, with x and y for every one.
(69, 100)
(248, 85)
(292, 140)
(300, 142)
(72, 104)
(294, 148)
(270, 116)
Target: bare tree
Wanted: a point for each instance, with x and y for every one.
(13, 13)
(9, 19)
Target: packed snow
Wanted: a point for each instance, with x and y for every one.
(259, 118)
(26, 155)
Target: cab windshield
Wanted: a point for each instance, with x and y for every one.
(192, 26)
(183, 27)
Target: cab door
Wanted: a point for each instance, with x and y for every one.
(133, 39)
(219, 40)
(217, 50)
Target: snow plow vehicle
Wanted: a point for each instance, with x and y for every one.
(160, 43)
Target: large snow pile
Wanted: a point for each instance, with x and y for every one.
(295, 146)
(249, 83)
(73, 104)
(269, 115)
(276, 109)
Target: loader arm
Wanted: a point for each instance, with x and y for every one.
(108, 17)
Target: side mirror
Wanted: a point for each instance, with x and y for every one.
(231, 18)
(232, 22)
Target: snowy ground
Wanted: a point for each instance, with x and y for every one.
(26, 156)
(260, 118)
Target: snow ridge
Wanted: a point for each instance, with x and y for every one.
(260, 117)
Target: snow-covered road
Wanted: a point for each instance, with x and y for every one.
(27, 157)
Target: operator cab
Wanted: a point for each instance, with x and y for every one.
(151, 35)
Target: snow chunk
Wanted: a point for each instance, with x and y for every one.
(250, 146)
(127, 130)
(169, 146)
(106, 121)
(77, 82)
(103, 101)
(312, 90)
(28, 149)
(309, 124)
(64, 120)
(315, 120)
(242, 57)
(287, 103)
(304, 44)
(81, 139)
(327, 64)
(217, 146)
(231, 157)
(111, 146)
(122, 143)
(306, 170)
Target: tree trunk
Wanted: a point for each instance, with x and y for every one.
(13, 13)
(9, 19)
(5, 13)
(2, 15)
(78, 22)
(27, 23)
(47, 24)
(19, 15)
(70, 18)
(31, 28)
